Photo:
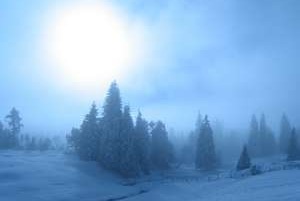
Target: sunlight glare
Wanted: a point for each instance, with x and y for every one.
(91, 45)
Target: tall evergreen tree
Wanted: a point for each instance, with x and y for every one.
(293, 147)
(206, 155)
(128, 159)
(111, 126)
(189, 149)
(244, 161)
(89, 135)
(285, 132)
(267, 139)
(160, 147)
(142, 144)
(254, 138)
(15, 125)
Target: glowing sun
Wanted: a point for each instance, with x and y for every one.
(91, 44)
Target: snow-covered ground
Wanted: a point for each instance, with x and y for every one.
(52, 176)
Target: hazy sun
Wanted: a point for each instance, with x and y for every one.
(91, 44)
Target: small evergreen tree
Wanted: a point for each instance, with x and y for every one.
(244, 161)
(205, 155)
(293, 148)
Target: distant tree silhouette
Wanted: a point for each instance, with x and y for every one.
(205, 153)
(244, 160)
(293, 148)
(15, 125)
(267, 139)
(254, 138)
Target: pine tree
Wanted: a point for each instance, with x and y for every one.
(15, 125)
(254, 139)
(285, 132)
(244, 161)
(267, 139)
(73, 140)
(128, 159)
(89, 135)
(160, 147)
(293, 148)
(205, 155)
(142, 144)
(111, 126)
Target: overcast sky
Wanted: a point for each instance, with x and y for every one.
(225, 58)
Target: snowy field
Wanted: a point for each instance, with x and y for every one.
(52, 176)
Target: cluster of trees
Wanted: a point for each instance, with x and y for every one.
(201, 148)
(263, 143)
(261, 140)
(9, 136)
(119, 144)
(289, 140)
(12, 138)
(41, 143)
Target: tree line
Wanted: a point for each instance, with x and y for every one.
(11, 137)
(262, 142)
(117, 142)
(113, 139)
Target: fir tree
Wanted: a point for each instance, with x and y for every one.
(267, 139)
(244, 161)
(74, 140)
(142, 144)
(128, 159)
(111, 125)
(15, 125)
(160, 147)
(293, 148)
(89, 135)
(285, 132)
(254, 139)
(205, 155)
(189, 149)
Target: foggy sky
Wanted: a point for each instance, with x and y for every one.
(225, 58)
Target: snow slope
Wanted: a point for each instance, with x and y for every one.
(35, 176)
(54, 176)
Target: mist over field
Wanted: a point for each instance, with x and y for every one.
(149, 100)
